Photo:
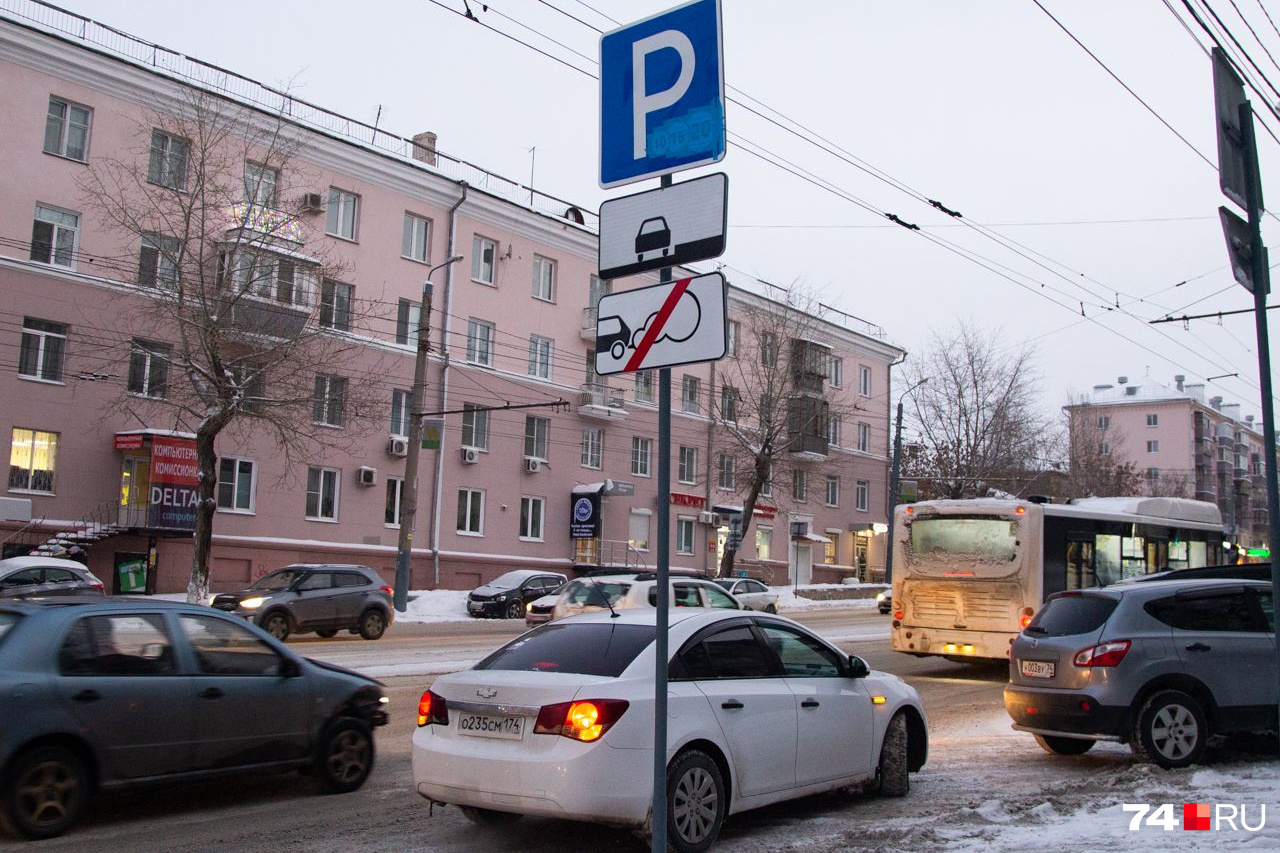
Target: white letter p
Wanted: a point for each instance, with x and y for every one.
(646, 103)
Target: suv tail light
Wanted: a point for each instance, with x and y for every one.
(432, 710)
(1027, 613)
(1103, 654)
(388, 590)
(98, 586)
(586, 720)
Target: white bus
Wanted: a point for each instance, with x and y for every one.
(968, 575)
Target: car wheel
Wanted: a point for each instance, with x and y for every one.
(326, 633)
(344, 758)
(1171, 730)
(277, 625)
(893, 771)
(1064, 745)
(771, 608)
(373, 624)
(46, 793)
(696, 804)
(514, 610)
(488, 817)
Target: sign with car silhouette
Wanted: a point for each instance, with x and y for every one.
(670, 226)
(676, 322)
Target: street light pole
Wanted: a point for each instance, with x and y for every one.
(409, 488)
(893, 482)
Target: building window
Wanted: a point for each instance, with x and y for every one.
(480, 343)
(1153, 446)
(53, 236)
(236, 484)
(1153, 420)
(484, 258)
(544, 279)
(864, 437)
(540, 354)
(335, 305)
(33, 455)
(475, 427)
(835, 371)
(684, 535)
(400, 413)
(689, 393)
(66, 130)
(832, 547)
(861, 495)
(416, 238)
(269, 276)
(260, 184)
(471, 512)
(407, 314)
(1104, 421)
(1104, 448)
(687, 470)
(644, 386)
(766, 488)
(167, 165)
(800, 485)
(341, 216)
(329, 399)
(322, 494)
(834, 425)
(640, 452)
(1153, 475)
(592, 447)
(247, 379)
(638, 530)
(729, 404)
(725, 470)
(158, 261)
(148, 368)
(536, 431)
(395, 494)
(833, 490)
(864, 380)
(768, 349)
(531, 513)
(43, 350)
(764, 542)
(731, 339)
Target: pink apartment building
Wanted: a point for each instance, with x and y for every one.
(527, 427)
(1185, 445)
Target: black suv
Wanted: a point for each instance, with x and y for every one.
(321, 597)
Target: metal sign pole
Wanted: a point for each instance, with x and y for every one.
(659, 838)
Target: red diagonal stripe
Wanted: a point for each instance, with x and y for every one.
(651, 333)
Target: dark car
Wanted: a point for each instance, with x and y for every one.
(24, 577)
(109, 693)
(321, 597)
(884, 601)
(1164, 666)
(1241, 571)
(507, 596)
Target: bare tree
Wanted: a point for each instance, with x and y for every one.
(209, 205)
(773, 409)
(1096, 457)
(976, 416)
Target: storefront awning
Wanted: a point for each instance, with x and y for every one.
(588, 488)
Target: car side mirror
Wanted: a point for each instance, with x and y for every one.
(290, 668)
(858, 667)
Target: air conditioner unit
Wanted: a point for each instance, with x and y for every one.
(397, 446)
(366, 476)
(712, 518)
(470, 455)
(312, 202)
(533, 466)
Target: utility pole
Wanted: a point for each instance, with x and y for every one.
(893, 482)
(409, 488)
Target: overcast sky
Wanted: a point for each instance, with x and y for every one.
(990, 108)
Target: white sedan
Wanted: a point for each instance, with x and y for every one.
(753, 594)
(559, 723)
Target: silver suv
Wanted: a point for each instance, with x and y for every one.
(321, 597)
(1168, 667)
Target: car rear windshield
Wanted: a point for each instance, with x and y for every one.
(1070, 615)
(7, 621)
(590, 649)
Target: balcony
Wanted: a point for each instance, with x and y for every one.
(259, 317)
(599, 401)
(587, 331)
(1206, 495)
(807, 428)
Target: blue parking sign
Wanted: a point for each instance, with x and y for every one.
(662, 94)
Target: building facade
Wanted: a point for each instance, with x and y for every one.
(525, 427)
(1183, 445)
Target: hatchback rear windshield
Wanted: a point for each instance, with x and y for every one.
(591, 649)
(1070, 615)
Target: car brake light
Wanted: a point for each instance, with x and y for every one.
(388, 590)
(433, 710)
(899, 615)
(1103, 654)
(98, 586)
(585, 720)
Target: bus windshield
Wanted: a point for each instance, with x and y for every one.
(945, 545)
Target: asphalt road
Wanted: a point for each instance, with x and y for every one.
(271, 814)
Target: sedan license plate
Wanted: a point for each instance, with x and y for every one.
(491, 725)
(1038, 668)
(474, 606)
